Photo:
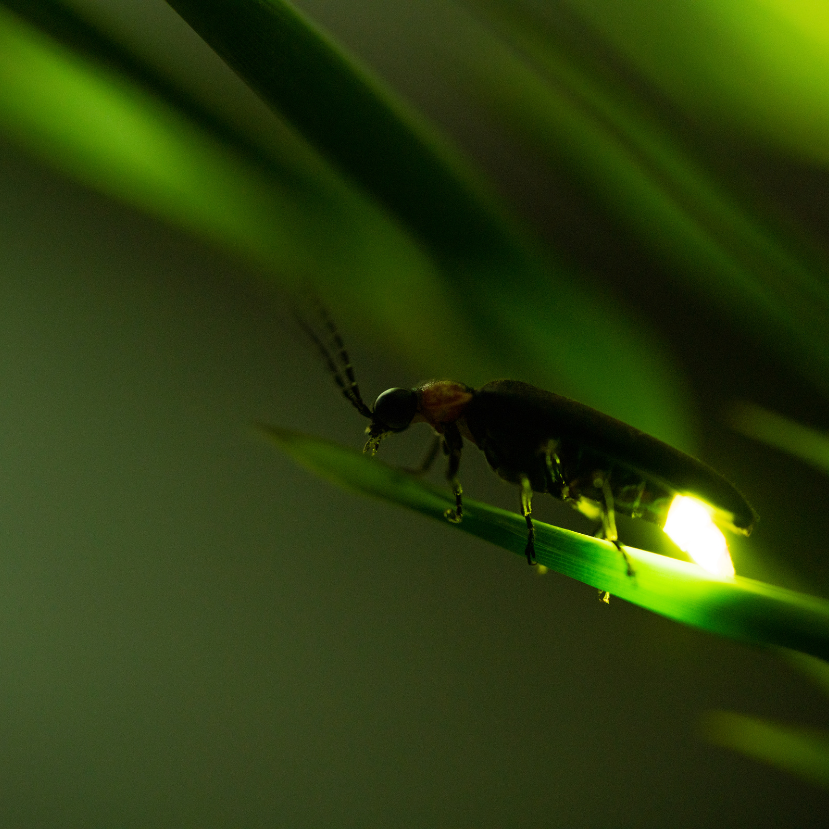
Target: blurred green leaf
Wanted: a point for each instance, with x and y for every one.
(810, 445)
(487, 303)
(758, 65)
(355, 121)
(290, 161)
(114, 136)
(816, 669)
(739, 608)
(800, 751)
(524, 314)
(632, 159)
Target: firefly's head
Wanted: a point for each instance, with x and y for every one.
(395, 408)
(394, 411)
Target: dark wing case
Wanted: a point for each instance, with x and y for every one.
(521, 416)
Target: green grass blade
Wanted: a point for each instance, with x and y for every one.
(739, 608)
(815, 669)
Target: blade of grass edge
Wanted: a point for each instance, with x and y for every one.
(739, 608)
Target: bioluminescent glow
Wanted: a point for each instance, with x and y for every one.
(691, 528)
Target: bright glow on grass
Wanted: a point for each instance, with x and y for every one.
(691, 528)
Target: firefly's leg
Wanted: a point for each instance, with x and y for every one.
(526, 510)
(609, 517)
(635, 512)
(428, 460)
(452, 445)
(555, 474)
(604, 595)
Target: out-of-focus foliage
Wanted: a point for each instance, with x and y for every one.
(803, 442)
(478, 295)
(630, 153)
(795, 749)
(758, 65)
(800, 751)
(287, 215)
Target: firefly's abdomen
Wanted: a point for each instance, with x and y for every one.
(513, 423)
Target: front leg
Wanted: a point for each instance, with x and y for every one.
(453, 445)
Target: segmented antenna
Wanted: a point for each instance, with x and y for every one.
(344, 373)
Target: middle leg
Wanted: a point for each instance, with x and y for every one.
(526, 511)
(602, 481)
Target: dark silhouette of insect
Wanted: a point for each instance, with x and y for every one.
(543, 443)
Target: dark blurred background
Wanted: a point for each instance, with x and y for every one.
(195, 632)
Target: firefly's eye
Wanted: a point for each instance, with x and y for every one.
(395, 408)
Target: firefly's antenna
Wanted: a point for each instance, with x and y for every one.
(343, 374)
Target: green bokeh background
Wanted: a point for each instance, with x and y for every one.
(193, 631)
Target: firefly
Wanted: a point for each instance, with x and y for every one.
(545, 443)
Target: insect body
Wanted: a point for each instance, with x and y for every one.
(545, 443)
